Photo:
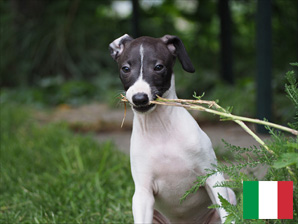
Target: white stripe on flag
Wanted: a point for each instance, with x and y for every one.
(268, 200)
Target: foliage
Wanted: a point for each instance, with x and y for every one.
(55, 38)
(50, 175)
(42, 40)
(54, 91)
(243, 92)
(292, 92)
(280, 163)
(70, 38)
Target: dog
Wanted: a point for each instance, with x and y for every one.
(168, 148)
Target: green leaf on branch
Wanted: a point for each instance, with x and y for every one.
(286, 159)
(198, 97)
(294, 64)
(292, 93)
(214, 206)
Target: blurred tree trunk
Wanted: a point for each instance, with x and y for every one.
(25, 12)
(226, 47)
(28, 8)
(297, 34)
(203, 19)
(264, 62)
(135, 18)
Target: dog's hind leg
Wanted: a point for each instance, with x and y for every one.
(232, 197)
(158, 218)
(213, 217)
(214, 191)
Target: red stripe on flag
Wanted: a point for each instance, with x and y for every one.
(285, 200)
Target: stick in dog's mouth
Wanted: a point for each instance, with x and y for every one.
(125, 100)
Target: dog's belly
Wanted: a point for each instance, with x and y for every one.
(172, 179)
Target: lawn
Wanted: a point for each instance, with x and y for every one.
(51, 175)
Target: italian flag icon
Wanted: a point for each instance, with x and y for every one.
(267, 199)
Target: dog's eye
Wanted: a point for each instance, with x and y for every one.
(125, 69)
(158, 68)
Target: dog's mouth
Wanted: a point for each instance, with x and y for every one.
(144, 108)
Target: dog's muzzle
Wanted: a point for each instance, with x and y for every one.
(141, 103)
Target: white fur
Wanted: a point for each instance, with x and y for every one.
(140, 86)
(142, 61)
(168, 151)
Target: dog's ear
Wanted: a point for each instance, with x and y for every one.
(177, 48)
(117, 46)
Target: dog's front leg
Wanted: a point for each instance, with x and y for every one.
(142, 205)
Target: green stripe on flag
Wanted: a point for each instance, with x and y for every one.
(250, 199)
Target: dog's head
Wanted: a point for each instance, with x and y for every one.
(146, 67)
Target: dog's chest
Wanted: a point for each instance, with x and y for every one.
(171, 167)
(169, 145)
(170, 160)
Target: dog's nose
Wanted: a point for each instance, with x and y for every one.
(140, 99)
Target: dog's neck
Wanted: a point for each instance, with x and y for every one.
(159, 120)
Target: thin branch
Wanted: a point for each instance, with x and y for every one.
(218, 110)
(192, 104)
(195, 105)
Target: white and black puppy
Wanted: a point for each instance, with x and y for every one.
(168, 148)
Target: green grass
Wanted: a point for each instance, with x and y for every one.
(51, 175)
